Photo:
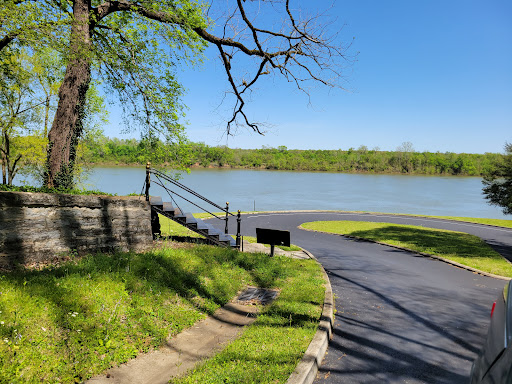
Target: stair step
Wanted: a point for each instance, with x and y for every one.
(201, 224)
(228, 239)
(224, 237)
(187, 218)
(212, 231)
(156, 201)
(170, 209)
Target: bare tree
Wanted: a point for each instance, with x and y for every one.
(305, 50)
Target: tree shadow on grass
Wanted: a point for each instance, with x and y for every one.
(431, 241)
(155, 276)
(148, 273)
(156, 271)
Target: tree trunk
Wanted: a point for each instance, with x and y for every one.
(46, 115)
(4, 170)
(13, 170)
(6, 153)
(67, 124)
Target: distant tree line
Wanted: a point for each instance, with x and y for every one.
(362, 160)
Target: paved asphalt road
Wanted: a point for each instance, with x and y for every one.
(400, 317)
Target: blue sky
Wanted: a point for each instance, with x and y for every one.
(434, 73)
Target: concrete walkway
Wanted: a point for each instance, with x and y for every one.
(184, 350)
(205, 339)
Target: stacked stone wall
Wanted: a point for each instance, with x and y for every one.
(37, 227)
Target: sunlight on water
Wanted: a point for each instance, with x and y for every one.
(281, 190)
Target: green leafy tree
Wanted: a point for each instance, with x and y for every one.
(498, 182)
(32, 23)
(404, 155)
(137, 46)
(48, 71)
(28, 98)
(18, 109)
(31, 150)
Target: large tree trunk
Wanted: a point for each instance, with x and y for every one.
(6, 156)
(4, 168)
(67, 124)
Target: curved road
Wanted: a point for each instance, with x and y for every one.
(400, 317)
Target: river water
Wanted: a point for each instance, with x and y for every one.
(265, 190)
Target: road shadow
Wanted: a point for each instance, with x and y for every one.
(370, 346)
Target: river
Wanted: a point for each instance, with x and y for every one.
(265, 190)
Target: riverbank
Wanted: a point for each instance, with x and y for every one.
(197, 166)
(107, 151)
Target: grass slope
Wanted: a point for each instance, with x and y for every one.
(269, 350)
(68, 323)
(456, 246)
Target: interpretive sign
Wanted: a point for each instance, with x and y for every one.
(273, 237)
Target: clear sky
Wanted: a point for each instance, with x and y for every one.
(434, 73)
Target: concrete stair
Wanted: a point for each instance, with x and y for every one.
(189, 221)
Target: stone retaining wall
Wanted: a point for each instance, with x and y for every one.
(38, 227)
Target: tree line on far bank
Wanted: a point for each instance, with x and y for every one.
(404, 160)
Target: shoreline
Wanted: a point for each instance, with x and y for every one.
(266, 168)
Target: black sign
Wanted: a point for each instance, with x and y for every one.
(273, 237)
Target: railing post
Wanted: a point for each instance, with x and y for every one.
(148, 180)
(226, 220)
(238, 220)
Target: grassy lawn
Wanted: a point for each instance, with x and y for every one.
(456, 246)
(269, 350)
(171, 228)
(68, 323)
(497, 222)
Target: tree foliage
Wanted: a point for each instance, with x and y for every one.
(29, 83)
(32, 23)
(18, 111)
(137, 46)
(498, 182)
(104, 150)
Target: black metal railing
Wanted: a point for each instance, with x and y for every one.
(161, 178)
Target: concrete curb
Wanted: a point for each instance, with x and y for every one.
(453, 263)
(306, 370)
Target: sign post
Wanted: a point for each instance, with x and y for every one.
(272, 237)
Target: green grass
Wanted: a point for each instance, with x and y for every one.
(497, 222)
(476, 220)
(68, 323)
(70, 191)
(171, 228)
(456, 246)
(269, 350)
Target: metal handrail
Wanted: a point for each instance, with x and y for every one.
(189, 190)
(162, 175)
